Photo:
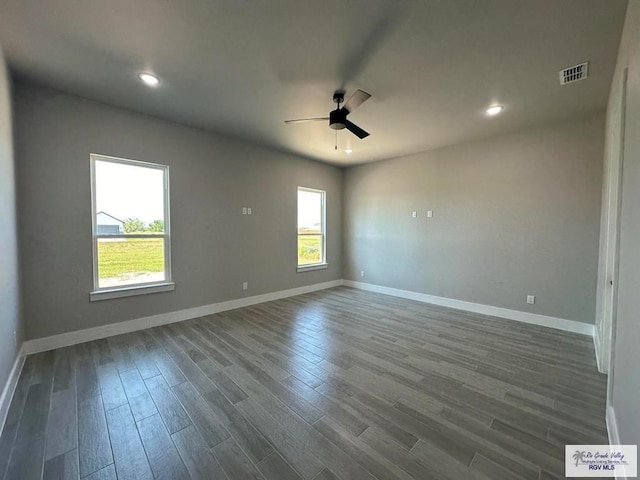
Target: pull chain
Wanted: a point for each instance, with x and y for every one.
(336, 142)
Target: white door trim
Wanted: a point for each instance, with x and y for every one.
(608, 279)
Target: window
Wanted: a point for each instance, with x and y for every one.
(311, 229)
(131, 241)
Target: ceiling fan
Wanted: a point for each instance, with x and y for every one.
(338, 117)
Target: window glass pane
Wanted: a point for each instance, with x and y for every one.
(128, 261)
(129, 199)
(309, 212)
(309, 249)
(310, 227)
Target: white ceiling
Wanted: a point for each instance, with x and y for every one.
(242, 67)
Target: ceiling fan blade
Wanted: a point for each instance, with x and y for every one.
(369, 35)
(356, 100)
(301, 120)
(356, 130)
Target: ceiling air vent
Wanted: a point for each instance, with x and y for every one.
(575, 73)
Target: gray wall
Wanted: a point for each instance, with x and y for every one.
(9, 281)
(214, 247)
(513, 215)
(625, 374)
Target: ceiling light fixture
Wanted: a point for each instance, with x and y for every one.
(494, 110)
(348, 151)
(149, 79)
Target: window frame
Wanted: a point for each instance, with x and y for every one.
(167, 284)
(323, 220)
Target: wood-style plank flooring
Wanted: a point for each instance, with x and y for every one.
(337, 384)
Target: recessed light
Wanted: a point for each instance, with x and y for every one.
(494, 110)
(149, 79)
(348, 151)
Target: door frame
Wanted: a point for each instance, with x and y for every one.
(608, 290)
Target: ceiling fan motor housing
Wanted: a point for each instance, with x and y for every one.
(337, 118)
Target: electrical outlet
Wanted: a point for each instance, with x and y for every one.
(244, 210)
(249, 211)
(245, 285)
(362, 273)
(414, 214)
(531, 299)
(429, 213)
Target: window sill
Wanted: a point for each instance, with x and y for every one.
(131, 291)
(315, 266)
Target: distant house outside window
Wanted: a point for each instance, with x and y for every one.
(311, 229)
(108, 225)
(131, 234)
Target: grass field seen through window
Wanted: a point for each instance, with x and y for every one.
(125, 261)
(129, 261)
(309, 249)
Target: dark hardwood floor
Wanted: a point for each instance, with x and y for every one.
(337, 384)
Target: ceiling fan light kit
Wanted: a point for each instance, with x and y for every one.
(337, 119)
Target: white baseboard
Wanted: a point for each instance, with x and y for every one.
(89, 334)
(596, 347)
(533, 318)
(10, 388)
